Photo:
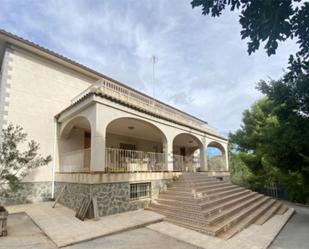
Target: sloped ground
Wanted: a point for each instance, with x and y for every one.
(134, 239)
(214, 207)
(61, 226)
(23, 233)
(295, 233)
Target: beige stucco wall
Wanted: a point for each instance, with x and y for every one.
(75, 141)
(38, 91)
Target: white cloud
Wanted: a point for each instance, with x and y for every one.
(203, 65)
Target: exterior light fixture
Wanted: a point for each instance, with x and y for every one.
(131, 127)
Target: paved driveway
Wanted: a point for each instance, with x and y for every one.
(295, 234)
(24, 234)
(142, 238)
(61, 226)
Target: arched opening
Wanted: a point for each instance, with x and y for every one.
(216, 160)
(75, 146)
(134, 145)
(186, 152)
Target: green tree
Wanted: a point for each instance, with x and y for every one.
(273, 142)
(16, 160)
(240, 174)
(268, 21)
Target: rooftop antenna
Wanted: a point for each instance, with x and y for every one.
(154, 60)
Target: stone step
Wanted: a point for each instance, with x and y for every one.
(177, 197)
(196, 176)
(196, 184)
(211, 187)
(206, 188)
(179, 216)
(210, 197)
(185, 205)
(189, 210)
(233, 210)
(267, 215)
(218, 190)
(213, 206)
(247, 220)
(180, 212)
(191, 186)
(229, 204)
(201, 180)
(226, 224)
(178, 192)
(197, 181)
(282, 209)
(189, 225)
(217, 201)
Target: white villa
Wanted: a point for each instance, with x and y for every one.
(106, 139)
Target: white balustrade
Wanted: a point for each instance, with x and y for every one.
(75, 161)
(119, 160)
(143, 102)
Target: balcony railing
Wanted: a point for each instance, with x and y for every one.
(75, 161)
(186, 163)
(216, 163)
(141, 101)
(119, 160)
(178, 163)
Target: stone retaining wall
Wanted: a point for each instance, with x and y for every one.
(112, 198)
(30, 192)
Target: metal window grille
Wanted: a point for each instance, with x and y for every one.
(139, 190)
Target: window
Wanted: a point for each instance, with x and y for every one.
(140, 190)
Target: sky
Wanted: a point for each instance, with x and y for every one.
(203, 67)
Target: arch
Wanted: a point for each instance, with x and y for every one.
(216, 156)
(79, 120)
(218, 146)
(187, 152)
(75, 145)
(133, 144)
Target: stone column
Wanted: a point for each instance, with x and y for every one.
(203, 155)
(227, 168)
(169, 153)
(170, 162)
(98, 133)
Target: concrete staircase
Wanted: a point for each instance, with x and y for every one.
(214, 206)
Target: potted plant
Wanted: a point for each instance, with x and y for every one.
(3, 220)
(15, 165)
